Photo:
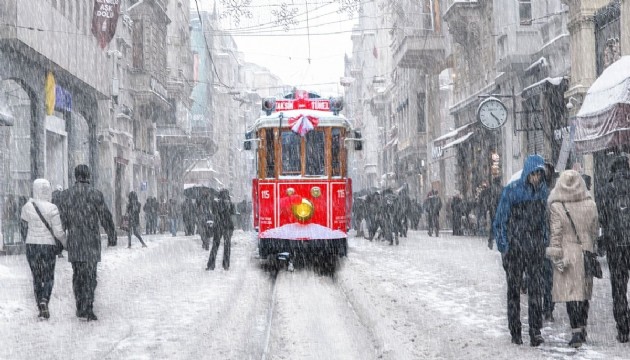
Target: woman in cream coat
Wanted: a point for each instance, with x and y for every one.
(40, 244)
(570, 283)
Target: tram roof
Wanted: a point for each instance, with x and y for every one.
(326, 119)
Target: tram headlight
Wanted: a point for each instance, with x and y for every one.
(269, 105)
(304, 210)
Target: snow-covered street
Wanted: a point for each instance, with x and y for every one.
(428, 298)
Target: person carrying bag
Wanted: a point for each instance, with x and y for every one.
(44, 241)
(573, 220)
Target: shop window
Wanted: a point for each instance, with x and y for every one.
(420, 102)
(315, 154)
(525, 12)
(291, 143)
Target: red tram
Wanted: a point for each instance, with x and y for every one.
(302, 195)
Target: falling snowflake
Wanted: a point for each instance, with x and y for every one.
(285, 17)
(236, 9)
(350, 6)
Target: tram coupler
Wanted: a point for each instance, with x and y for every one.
(285, 257)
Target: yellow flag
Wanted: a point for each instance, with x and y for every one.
(49, 89)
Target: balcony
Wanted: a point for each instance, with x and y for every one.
(148, 89)
(418, 48)
(463, 17)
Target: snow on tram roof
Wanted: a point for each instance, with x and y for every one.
(326, 119)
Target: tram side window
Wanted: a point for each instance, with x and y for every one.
(315, 153)
(270, 153)
(291, 164)
(336, 152)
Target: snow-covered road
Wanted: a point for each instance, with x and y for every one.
(427, 298)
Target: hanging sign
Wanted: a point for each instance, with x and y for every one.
(104, 20)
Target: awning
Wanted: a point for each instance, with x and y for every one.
(440, 141)
(604, 118)
(458, 141)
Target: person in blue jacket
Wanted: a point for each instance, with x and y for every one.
(521, 233)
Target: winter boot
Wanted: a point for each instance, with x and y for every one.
(584, 334)
(622, 337)
(517, 339)
(549, 316)
(577, 339)
(535, 338)
(43, 310)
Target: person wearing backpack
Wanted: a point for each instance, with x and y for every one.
(614, 218)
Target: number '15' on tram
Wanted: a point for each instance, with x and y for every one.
(302, 195)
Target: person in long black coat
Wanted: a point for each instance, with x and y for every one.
(82, 212)
(133, 213)
(205, 220)
(222, 209)
(457, 211)
(188, 216)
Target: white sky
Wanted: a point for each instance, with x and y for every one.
(286, 53)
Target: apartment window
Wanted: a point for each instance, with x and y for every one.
(420, 103)
(525, 11)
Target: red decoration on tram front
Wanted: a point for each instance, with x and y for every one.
(302, 124)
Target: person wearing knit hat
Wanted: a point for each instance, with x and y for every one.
(573, 223)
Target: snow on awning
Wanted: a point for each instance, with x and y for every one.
(538, 87)
(450, 135)
(458, 141)
(604, 118)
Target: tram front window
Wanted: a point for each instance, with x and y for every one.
(315, 154)
(291, 164)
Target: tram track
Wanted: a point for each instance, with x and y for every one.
(311, 316)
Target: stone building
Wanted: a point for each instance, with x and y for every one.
(48, 43)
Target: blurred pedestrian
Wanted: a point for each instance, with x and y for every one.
(573, 226)
(495, 195)
(44, 226)
(205, 219)
(222, 209)
(188, 217)
(614, 212)
(133, 214)
(10, 219)
(173, 216)
(456, 213)
(83, 210)
(433, 205)
(520, 230)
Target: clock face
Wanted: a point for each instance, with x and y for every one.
(492, 113)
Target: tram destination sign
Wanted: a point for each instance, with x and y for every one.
(312, 104)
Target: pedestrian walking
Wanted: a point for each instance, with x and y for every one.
(457, 213)
(188, 217)
(173, 216)
(520, 230)
(205, 220)
(44, 226)
(495, 195)
(615, 222)
(10, 219)
(573, 227)
(222, 209)
(133, 214)
(433, 205)
(83, 210)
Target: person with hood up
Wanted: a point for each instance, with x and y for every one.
(40, 241)
(520, 230)
(614, 217)
(82, 212)
(573, 226)
(133, 213)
